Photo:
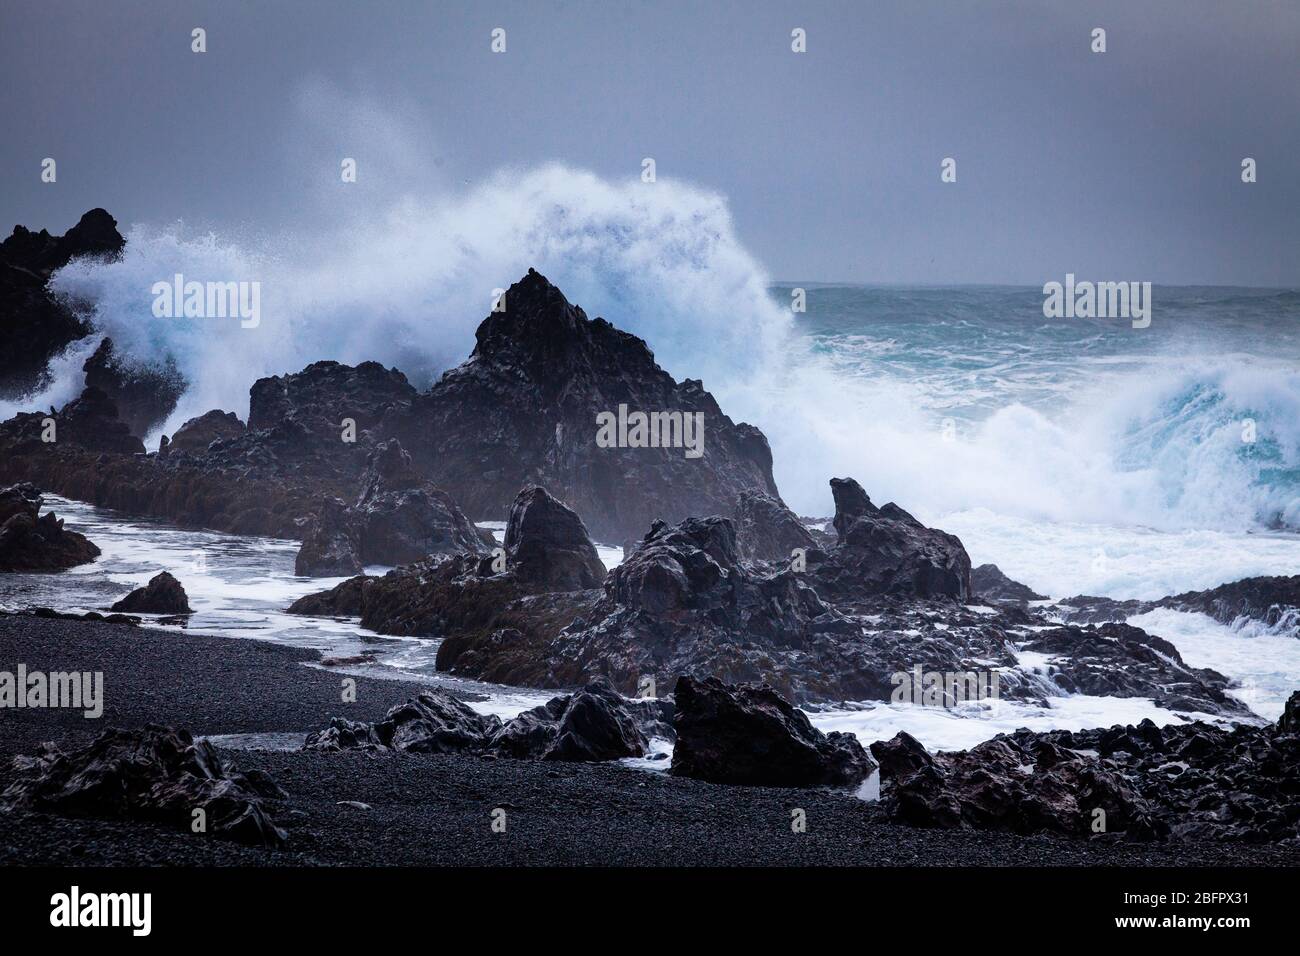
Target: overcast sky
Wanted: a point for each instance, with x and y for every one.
(1122, 165)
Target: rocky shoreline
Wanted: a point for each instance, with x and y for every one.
(436, 809)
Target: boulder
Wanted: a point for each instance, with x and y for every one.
(162, 595)
(546, 544)
(400, 517)
(751, 735)
(157, 774)
(30, 541)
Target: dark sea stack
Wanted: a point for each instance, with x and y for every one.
(522, 410)
(154, 774)
(546, 543)
(766, 530)
(30, 541)
(162, 595)
(144, 396)
(35, 326)
(990, 584)
(887, 551)
(752, 736)
(197, 434)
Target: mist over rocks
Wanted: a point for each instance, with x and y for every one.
(522, 410)
(144, 396)
(35, 325)
(31, 541)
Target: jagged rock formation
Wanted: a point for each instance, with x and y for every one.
(1192, 781)
(523, 411)
(887, 551)
(990, 584)
(592, 724)
(752, 736)
(766, 530)
(155, 774)
(162, 595)
(34, 325)
(30, 541)
(398, 518)
(684, 603)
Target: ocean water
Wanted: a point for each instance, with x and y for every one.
(1081, 456)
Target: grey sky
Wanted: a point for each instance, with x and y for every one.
(1123, 165)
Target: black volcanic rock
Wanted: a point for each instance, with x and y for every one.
(592, 724)
(329, 546)
(162, 595)
(30, 541)
(546, 543)
(323, 394)
(1289, 722)
(1002, 784)
(197, 434)
(157, 774)
(752, 736)
(35, 326)
(1125, 661)
(523, 410)
(144, 396)
(990, 584)
(1273, 601)
(1184, 781)
(401, 517)
(887, 551)
(766, 530)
